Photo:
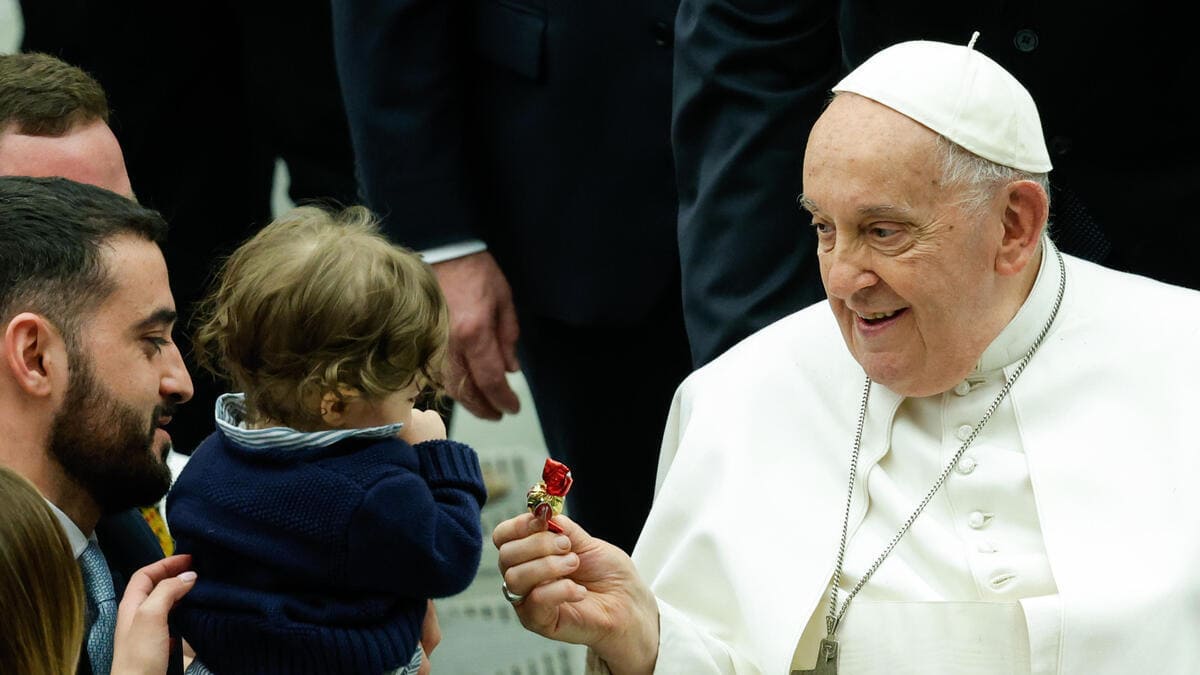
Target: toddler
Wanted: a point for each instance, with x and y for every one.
(324, 511)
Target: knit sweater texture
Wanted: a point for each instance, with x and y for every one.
(320, 560)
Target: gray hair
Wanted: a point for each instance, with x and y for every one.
(978, 177)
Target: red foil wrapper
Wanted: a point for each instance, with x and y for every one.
(557, 478)
(545, 499)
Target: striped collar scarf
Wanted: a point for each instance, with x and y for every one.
(231, 420)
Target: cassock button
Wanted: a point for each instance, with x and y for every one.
(966, 465)
(962, 388)
(1001, 580)
(964, 432)
(977, 519)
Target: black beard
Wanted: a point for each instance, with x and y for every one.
(106, 446)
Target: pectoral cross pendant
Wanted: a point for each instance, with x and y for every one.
(827, 657)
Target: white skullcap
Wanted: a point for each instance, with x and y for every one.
(960, 94)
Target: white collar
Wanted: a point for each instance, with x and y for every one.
(74, 534)
(1017, 337)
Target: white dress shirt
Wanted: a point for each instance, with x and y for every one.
(74, 534)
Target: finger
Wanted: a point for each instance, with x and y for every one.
(557, 592)
(541, 609)
(167, 567)
(580, 539)
(425, 425)
(507, 332)
(433, 424)
(524, 577)
(537, 545)
(486, 365)
(463, 389)
(476, 403)
(142, 583)
(166, 594)
(425, 668)
(465, 392)
(517, 527)
(473, 349)
(431, 629)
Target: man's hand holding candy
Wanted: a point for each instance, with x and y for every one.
(576, 588)
(570, 586)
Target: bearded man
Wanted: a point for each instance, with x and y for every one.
(89, 374)
(981, 461)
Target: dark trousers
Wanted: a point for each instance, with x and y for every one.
(602, 394)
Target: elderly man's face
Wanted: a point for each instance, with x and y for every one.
(88, 153)
(910, 273)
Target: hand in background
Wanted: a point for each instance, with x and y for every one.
(483, 334)
(579, 589)
(142, 643)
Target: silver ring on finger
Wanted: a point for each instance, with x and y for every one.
(514, 598)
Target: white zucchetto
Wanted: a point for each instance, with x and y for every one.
(959, 93)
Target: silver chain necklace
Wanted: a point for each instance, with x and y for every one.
(827, 654)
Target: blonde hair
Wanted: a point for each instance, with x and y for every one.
(319, 302)
(41, 591)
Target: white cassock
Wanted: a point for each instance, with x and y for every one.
(1067, 540)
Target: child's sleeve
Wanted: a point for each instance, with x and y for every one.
(418, 534)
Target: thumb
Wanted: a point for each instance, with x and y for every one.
(579, 537)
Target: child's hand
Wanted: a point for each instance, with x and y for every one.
(426, 425)
(431, 635)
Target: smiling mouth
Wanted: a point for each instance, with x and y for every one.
(877, 318)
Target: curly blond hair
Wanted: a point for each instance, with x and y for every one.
(320, 302)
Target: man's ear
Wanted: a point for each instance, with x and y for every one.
(1026, 210)
(35, 353)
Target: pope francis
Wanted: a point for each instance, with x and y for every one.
(977, 457)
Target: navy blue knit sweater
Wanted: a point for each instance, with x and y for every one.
(320, 560)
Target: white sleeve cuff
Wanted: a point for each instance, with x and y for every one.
(460, 249)
(684, 648)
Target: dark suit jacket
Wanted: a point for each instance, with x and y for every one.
(538, 126)
(128, 544)
(752, 75)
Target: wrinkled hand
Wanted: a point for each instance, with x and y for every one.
(425, 425)
(142, 643)
(579, 589)
(431, 635)
(483, 334)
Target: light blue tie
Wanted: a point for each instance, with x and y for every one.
(102, 608)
